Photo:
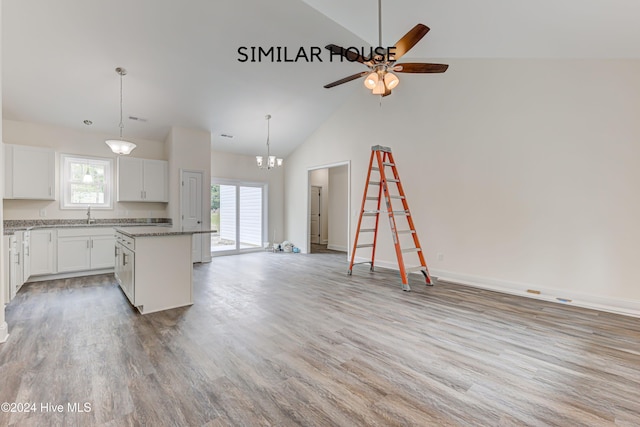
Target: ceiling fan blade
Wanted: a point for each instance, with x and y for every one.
(418, 67)
(409, 40)
(346, 79)
(349, 54)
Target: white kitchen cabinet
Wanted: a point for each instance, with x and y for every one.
(43, 251)
(24, 242)
(142, 180)
(83, 249)
(74, 253)
(154, 267)
(11, 266)
(29, 172)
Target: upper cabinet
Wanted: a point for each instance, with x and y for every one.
(143, 180)
(29, 172)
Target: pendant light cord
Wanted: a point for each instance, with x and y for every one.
(121, 124)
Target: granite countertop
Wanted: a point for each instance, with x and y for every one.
(156, 231)
(11, 226)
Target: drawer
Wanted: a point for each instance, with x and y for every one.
(126, 241)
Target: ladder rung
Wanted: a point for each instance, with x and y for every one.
(374, 182)
(367, 230)
(373, 168)
(393, 180)
(407, 232)
(371, 213)
(401, 213)
(388, 164)
(395, 197)
(366, 245)
(404, 251)
(372, 198)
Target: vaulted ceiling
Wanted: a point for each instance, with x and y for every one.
(58, 57)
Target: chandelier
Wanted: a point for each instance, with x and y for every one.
(271, 161)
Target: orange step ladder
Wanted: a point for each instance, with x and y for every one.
(384, 160)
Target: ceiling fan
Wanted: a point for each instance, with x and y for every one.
(382, 62)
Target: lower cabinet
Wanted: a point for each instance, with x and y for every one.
(83, 249)
(42, 252)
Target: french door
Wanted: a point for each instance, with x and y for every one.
(237, 216)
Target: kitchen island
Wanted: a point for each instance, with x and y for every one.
(153, 267)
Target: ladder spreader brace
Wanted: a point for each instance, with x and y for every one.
(384, 160)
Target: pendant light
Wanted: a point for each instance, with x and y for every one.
(271, 161)
(120, 146)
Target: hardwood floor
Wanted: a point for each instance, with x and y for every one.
(290, 339)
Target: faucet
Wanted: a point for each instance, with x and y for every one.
(89, 219)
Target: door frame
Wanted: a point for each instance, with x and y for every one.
(265, 198)
(346, 163)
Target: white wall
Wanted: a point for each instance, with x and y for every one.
(338, 213)
(69, 141)
(522, 173)
(320, 178)
(243, 168)
(189, 149)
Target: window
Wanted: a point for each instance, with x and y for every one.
(86, 181)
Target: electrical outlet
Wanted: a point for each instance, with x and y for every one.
(440, 256)
(43, 213)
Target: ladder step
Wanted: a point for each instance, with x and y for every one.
(402, 213)
(367, 245)
(404, 251)
(393, 180)
(395, 197)
(374, 182)
(388, 164)
(407, 232)
(367, 230)
(372, 198)
(370, 213)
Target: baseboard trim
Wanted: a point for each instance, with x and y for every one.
(69, 275)
(337, 248)
(607, 304)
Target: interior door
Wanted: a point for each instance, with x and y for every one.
(314, 215)
(191, 206)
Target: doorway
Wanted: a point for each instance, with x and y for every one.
(315, 228)
(237, 216)
(328, 220)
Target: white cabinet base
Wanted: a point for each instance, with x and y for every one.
(162, 273)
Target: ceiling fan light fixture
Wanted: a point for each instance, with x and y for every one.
(391, 80)
(371, 80)
(379, 89)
